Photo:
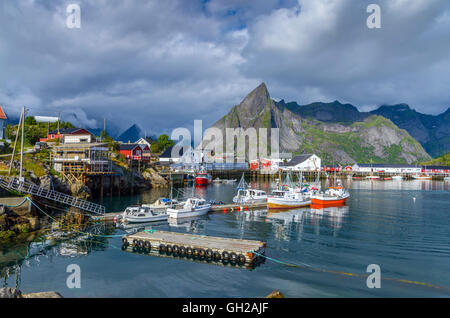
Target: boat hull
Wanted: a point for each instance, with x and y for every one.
(286, 204)
(421, 178)
(183, 213)
(133, 219)
(317, 202)
(202, 180)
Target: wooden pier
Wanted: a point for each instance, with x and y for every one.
(233, 207)
(211, 249)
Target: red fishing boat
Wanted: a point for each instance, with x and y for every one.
(203, 178)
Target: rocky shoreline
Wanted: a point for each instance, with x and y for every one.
(18, 221)
(16, 293)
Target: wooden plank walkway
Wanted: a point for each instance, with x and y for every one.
(237, 207)
(216, 249)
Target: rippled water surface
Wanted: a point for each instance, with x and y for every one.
(401, 226)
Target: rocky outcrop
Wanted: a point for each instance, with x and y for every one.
(155, 179)
(10, 293)
(51, 294)
(16, 293)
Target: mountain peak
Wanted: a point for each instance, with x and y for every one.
(132, 134)
(255, 102)
(261, 91)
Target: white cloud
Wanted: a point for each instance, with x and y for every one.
(162, 64)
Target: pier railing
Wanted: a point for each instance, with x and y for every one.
(31, 188)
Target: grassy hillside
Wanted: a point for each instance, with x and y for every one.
(443, 160)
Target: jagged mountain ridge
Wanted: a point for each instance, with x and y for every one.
(432, 132)
(347, 136)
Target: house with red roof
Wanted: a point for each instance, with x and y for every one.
(139, 152)
(70, 135)
(3, 123)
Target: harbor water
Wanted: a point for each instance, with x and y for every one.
(401, 226)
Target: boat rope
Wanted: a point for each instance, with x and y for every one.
(17, 205)
(303, 265)
(75, 230)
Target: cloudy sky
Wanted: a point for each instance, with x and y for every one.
(162, 64)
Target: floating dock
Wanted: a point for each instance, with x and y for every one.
(204, 248)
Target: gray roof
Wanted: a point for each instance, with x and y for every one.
(297, 160)
(168, 152)
(128, 146)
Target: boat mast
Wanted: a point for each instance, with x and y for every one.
(15, 142)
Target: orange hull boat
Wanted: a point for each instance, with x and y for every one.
(327, 203)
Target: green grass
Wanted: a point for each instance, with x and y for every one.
(443, 160)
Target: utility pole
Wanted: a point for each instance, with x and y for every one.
(21, 144)
(15, 142)
(59, 119)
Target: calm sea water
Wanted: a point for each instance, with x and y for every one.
(401, 226)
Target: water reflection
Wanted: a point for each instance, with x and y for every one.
(192, 225)
(56, 243)
(287, 225)
(420, 185)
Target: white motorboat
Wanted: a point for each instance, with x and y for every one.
(246, 195)
(421, 177)
(192, 207)
(287, 200)
(141, 214)
(250, 196)
(162, 204)
(397, 177)
(446, 178)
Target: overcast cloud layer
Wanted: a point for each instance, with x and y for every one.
(162, 64)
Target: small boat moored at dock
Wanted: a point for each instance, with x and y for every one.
(203, 178)
(161, 204)
(397, 177)
(421, 177)
(140, 214)
(334, 196)
(245, 195)
(249, 196)
(287, 200)
(192, 207)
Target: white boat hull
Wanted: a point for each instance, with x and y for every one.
(249, 201)
(186, 213)
(283, 203)
(145, 219)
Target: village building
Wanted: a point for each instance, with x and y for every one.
(3, 124)
(168, 158)
(307, 162)
(436, 169)
(270, 164)
(386, 168)
(149, 141)
(75, 161)
(136, 152)
(70, 135)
